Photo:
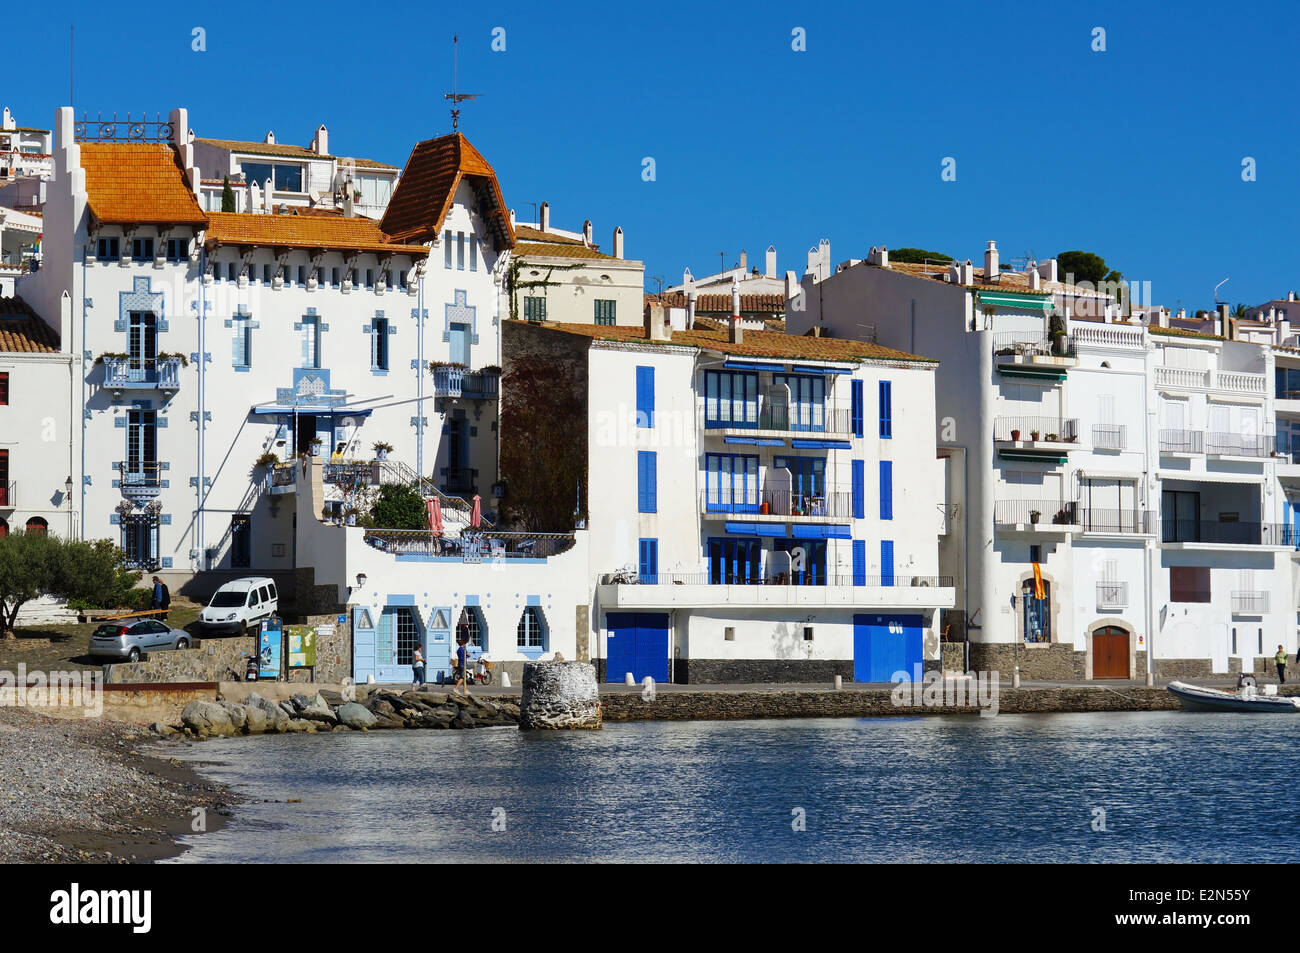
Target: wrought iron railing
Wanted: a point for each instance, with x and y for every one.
(899, 579)
(1238, 445)
(1011, 512)
(140, 473)
(775, 502)
(164, 373)
(9, 493)
(1229, 532)
(762, 414)
(1109, 436)
(1112, 595)
(284, 474)
(485, 545)
(1037, 429)
(1028, 344)
(1249, 603)
(1182, 441)
(1096, 520)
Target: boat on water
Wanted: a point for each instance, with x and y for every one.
(1246, 698)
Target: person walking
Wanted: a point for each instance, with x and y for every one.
(462, 662)
(1280, 659)
(156, 600)
(417, 666)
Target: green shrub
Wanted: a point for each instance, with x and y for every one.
(398, 507)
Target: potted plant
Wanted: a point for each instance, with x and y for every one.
(316, 446)
(1033, 516)
(350, 515)
(170, 355)
(116, 355)
(1056, 330)
(1015, 435)
(267, 459)
(1051, 438)
(1033, 435)
(382, 449)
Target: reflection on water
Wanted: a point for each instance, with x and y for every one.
(1173, 786)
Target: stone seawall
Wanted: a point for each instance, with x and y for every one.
(729, 706)
(212, 660)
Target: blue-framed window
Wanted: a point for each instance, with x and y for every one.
(886, 409)
(530, 634)
(311, 341)
(886, 489)
(645, 396)
(1037, 612)
(647, 475)
(858, 472)
(807, 475)
(108, 249)
(807, 560)
(886, 562)
(460, 251)
(734, 560)
(730, 399)
(859, 562)
(242, 348)
(606, 311)
(178, 249)
(648, 560)
(807, 400)
(379, 344)
(731, 483)
(141, 248)
(855, 407)
(473, 253)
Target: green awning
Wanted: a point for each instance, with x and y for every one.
(1029, 456)
(1030, 370)
(1012, 299)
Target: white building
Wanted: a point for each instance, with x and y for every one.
(760, 507)
(563, 276)
(1115, 489)
(203, 341)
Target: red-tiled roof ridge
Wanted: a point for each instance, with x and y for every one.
(138, 183)
(304, 231)
(427, 188)
(23, 331)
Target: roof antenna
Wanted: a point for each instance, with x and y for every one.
(455, 96)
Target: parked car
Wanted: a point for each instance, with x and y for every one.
(129, 639)
(239, 604)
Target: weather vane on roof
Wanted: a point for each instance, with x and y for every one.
(455, 95)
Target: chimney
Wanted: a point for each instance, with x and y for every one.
(616, 246)
(878, 256)
(1290, 296)
(744, 260)
(512, 218)
(1035, 280)
(349, 210)
(824, 246)
(270, 138)
(545, 220)
(991, 262)
(688, 281)
(1283, 331)
(967, 272)
(814, 262)
(735, 298)
(1182, 314)
(320, 143)
(656, 324)
(735, 332)
(587, 233)
(769, 266)
(1047, 271)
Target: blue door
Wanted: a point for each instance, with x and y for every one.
(637, 643)
(459, 338)
(885, 644)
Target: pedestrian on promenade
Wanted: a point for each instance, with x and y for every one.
(462, 661)
(417, 666)
(160, 598)
(1280, 658)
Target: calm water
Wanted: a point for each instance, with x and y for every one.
(1174, 786)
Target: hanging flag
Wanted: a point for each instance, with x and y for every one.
(1039, 594)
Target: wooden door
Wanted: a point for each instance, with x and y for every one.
(1110, 652)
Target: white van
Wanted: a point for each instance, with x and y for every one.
(240, 604)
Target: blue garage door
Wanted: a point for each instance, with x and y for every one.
(637, 643)
(885, 644)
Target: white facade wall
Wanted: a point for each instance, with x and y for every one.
(34, 429)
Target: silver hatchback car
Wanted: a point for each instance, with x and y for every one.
(130, 640)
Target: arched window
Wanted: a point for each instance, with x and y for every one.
(471, 623)
(37, 526)
(531, 634)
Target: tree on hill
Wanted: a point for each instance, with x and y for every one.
(919, 256)
(1085, 266)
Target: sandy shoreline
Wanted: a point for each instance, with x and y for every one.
(95, 791)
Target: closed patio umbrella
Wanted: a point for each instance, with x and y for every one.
(476, 517)
(434, 508)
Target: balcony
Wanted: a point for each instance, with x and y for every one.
(777, 505)
(1035, 438)
(283, 478)
(1109, 336)
(1227, 533)
(470, 546)
(452, 381)
(1116, 522)
(1249, 603)
(140, 479)
(123, 374)
(710, 590)
(8, 495)
(1109, 436)
(764, 418)
(1036, 516)
(1237, 445)
(1023, 354)
(1182, 443)
(1207, 379)
(1112, 596)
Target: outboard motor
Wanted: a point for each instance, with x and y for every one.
(1247, 684)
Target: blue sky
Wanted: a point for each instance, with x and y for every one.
(1134, 153)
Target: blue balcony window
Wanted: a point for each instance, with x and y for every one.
(731, 483)
(648, 561)
(807, 401)
(731, 399)
(647, 475)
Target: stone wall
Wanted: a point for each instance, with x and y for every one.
(953, 656)
(211, 660)
(1183, 668)
(1052, 663)
(333, 649)
(743, 671)
(140, 705)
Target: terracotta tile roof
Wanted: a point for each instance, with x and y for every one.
(720, 303)
(1013, 281)
(138, 183)
(288, 151)
(22, 331)
(539, 250)
(427, 188)
(1185, 333)
(757, 344)
(526, 233)
(304, 231)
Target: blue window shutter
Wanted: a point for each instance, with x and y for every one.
(886, 489)
(859, 492)
(855, 395)
(647, 471)
(859, 562)
(645, 396)
(886, 409)
(886, 562)
(648, 563)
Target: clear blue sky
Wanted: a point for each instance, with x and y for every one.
(1134, 153)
